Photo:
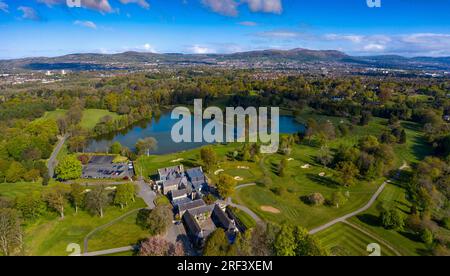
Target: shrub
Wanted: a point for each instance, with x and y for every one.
(316, 199)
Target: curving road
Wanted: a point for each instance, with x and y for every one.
(357, 212)
(363, 209)
(52, 161)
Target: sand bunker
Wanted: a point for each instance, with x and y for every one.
(238, 178)
(270, 209)
(322, 174)
(177, 160)
(218, 171)
(243, 168)
(291, 159)
(307, 166)
(110, 188)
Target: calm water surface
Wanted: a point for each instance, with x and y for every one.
(160, 129)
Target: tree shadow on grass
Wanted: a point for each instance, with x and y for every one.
(411, 236)
(369, 219)
(325, 181)
(191, 163)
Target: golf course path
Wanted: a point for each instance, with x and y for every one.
(359, 211)
(52, 161)
(110, 251)
(88, 236)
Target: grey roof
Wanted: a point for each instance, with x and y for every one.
(191, 205)
(171, 172)
(222, 218)
(201, 210)
(178, 193)
(192, 224)
(195, 173)
(174, 182)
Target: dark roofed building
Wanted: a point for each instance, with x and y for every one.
(197, 178)
(171, 172)
(182, 208)
(173, 184)
(221, 218)
(179, 194)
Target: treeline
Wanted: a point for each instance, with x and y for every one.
(265, 240)
(24, 147)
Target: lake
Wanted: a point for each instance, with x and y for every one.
(160, 128)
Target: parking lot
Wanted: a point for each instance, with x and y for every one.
(102, 167)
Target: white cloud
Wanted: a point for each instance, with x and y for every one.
(148, 48)
(4, 7)
(87, 24)
(352, 38)
(142, 3)
(374, 47)
(248, 23)
(102, 6)
(199, 49)
(279, 34)
(224, 7)
(230, 7)
(29, 13)
(269, 6)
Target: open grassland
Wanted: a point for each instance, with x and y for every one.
(49, 236)
(91, 117)
(124, 232)
(344, 240)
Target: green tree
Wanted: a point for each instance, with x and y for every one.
(56, 200)
(122, 196)
(116, 148)
(307, 245)
(11, 234)
(31, 206)
(32, 175)
(15, 172)
(69, 168)
(427, 236)
(325, 156)
(158, 220)
(144, 146)
(209, 157)
(76, 196)
(392, 219)
(338, 199)
(225, 186)
(96, 200)
(217, 244)
(284, 244)
(348, 173)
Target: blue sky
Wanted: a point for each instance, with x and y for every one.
(51, 28)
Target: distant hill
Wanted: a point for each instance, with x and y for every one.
(135, 60)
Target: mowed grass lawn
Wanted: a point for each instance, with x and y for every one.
(344, 240)
(394, 196)
(122, 233)
(300, 182)
(90, 116)
(49, 236)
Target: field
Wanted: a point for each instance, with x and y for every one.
(123, 233)
(90, 116)
(394, 196)
(300, 182)
(344, 240)
(49, 236)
